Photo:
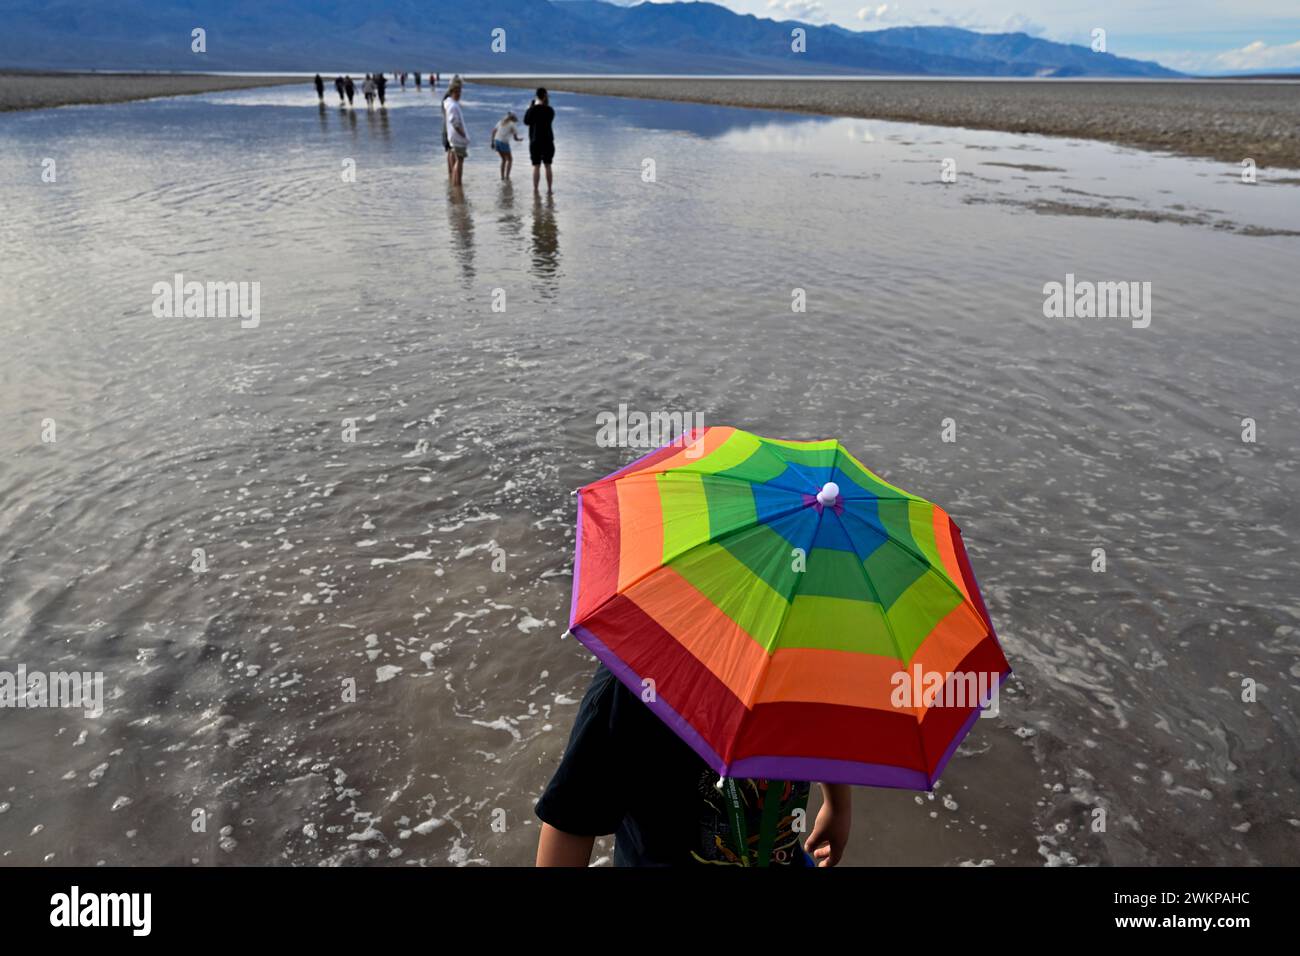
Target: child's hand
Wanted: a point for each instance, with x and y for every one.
(830, 834)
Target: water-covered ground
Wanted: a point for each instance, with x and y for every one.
(467, 343)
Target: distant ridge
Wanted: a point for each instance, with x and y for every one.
(574, 36)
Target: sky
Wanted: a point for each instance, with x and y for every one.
(1197, 36)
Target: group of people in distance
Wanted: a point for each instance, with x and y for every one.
(375, 85)
(539, 118)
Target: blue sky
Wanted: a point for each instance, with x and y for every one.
(1201, 36)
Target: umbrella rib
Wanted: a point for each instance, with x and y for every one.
(929, 566)
(875, 596)
(841, 452)
(889, 629)
(780, 626)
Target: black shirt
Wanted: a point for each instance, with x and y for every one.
(625, 772)
(538, 118)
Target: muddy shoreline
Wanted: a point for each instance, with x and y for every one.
(32, 91)
(1227, 121)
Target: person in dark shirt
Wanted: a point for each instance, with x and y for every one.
(320, 88)
(541, 138)
(338, 85)
(625, 772)
(350, 88)
(381, 86)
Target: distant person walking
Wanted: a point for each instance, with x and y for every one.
(505, 131)
(457, 136)
(403, 79)
(541, 137)
(381, 87)
(417, 79)
(368, 90)
(320, 88)
(433, 81)
(350, 88)
(338, 85)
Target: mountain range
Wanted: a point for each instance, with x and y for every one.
(573, 36)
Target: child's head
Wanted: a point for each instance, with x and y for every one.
(510, 117)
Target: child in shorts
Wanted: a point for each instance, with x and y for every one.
(502, 134)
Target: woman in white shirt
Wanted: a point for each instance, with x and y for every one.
(456, 133)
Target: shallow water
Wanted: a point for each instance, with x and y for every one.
(373, 560)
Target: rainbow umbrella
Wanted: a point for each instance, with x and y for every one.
(784, 610)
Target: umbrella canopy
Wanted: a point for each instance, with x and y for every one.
(784, 610)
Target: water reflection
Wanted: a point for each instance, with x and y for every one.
(377, 123)
(461, 218)
(512, 223)
(709, 122)
(546, 243)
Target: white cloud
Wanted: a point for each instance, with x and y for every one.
(880, 15)
(808, 10)
(876, 13)
(1253, 57)
(1260, 56)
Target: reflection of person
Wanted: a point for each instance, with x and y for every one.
(320, 88)
(502, 134)
(625, 772)
(457, 137)
(546, 240)
(462, 226)
(541, 138)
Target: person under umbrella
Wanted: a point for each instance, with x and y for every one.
(766, 612)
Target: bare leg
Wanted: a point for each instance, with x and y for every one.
(548, 178)
(537, 172)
